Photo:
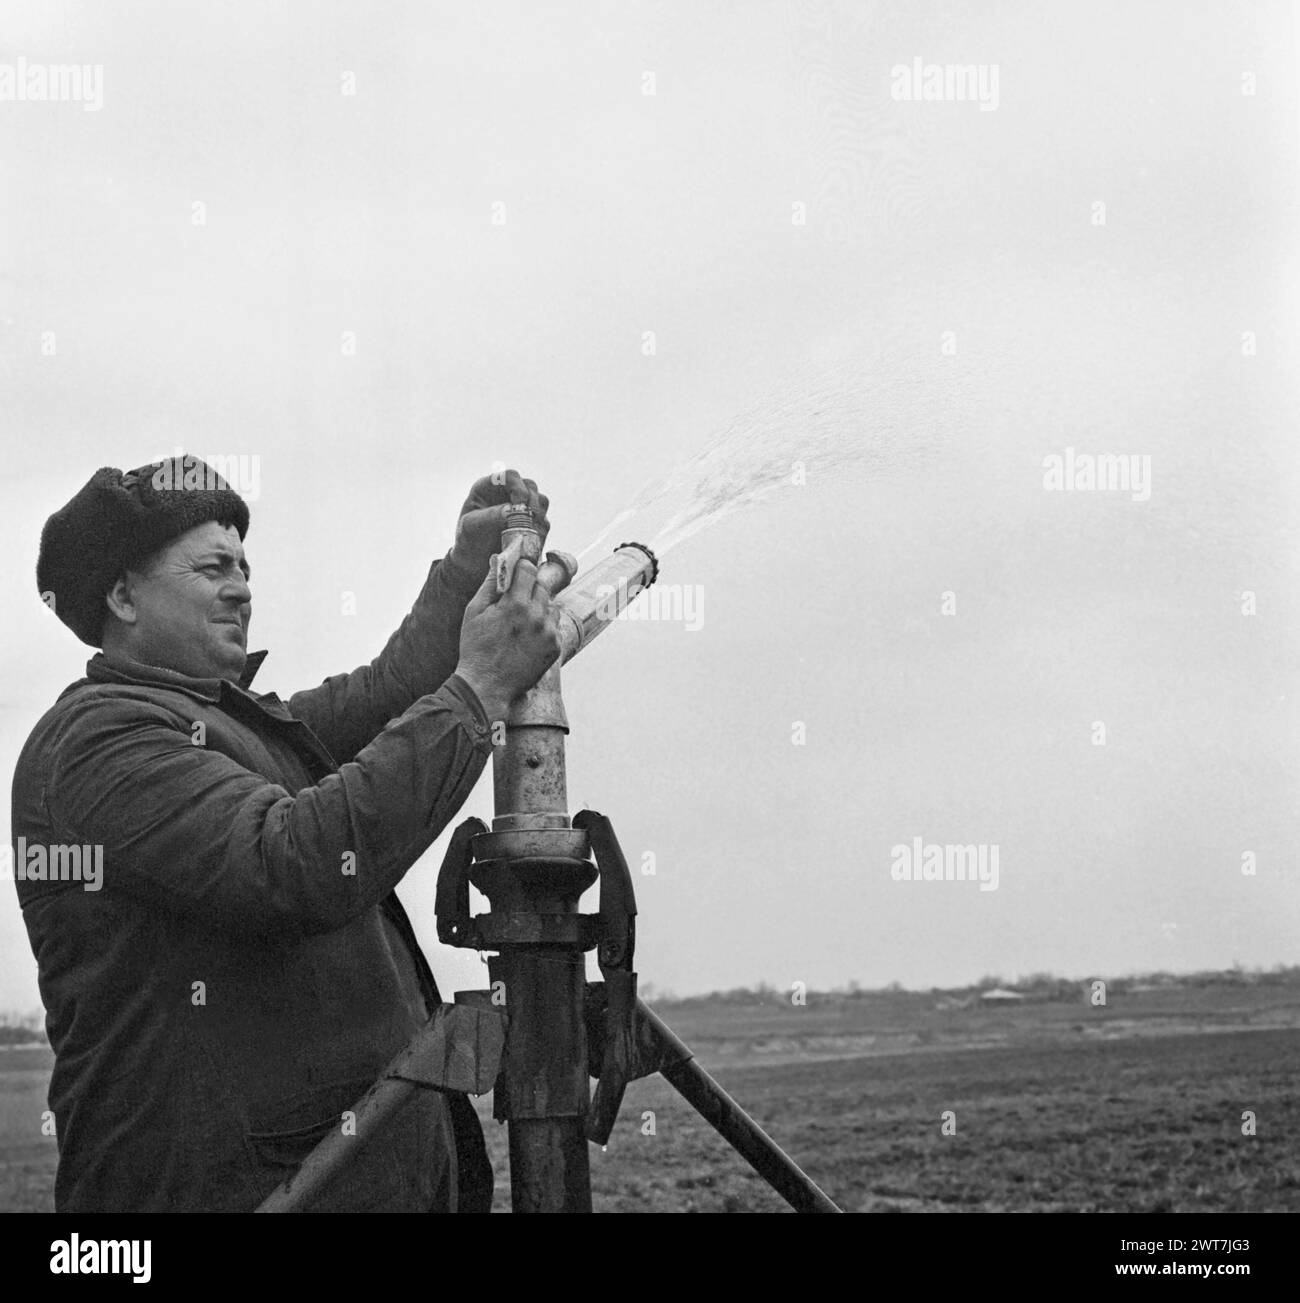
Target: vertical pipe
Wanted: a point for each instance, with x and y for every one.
(546, 1067)
(528, 775)
(545, 1062)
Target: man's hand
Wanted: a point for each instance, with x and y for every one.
(507, 640)
(478, 533)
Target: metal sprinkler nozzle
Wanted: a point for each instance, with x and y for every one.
(590, 605)
(557, 571)
(603, 593)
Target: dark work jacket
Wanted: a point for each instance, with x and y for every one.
(245, 971)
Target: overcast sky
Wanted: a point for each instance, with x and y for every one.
(383, 293)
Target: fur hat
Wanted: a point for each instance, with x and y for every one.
(118, 520)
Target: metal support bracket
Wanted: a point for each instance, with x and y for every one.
(615, 953)
(460, 1049)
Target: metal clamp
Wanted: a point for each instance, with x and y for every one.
(615, 953)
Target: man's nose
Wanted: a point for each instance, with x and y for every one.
(237, 590)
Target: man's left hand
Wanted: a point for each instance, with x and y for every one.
(478, 534)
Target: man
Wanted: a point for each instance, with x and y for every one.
(242, 971)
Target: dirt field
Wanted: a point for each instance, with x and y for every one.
(1137, 1125)
(1137, 1106)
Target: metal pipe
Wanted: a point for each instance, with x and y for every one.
(528, 775)
(373, 1113)
(731, 1121)
(544, 1090)
(534, 867)
(589, 606)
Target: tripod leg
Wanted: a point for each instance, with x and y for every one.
(458, 1049)
(730, 1121)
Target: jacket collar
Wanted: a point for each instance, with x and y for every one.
(102, 669)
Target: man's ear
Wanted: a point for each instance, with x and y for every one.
(120, 601)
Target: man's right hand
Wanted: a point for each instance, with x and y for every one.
(508, 640)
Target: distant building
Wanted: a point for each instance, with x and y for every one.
(1001, 993)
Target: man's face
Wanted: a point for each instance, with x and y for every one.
(192, 605)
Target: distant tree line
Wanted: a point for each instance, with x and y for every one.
(1045, 987)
